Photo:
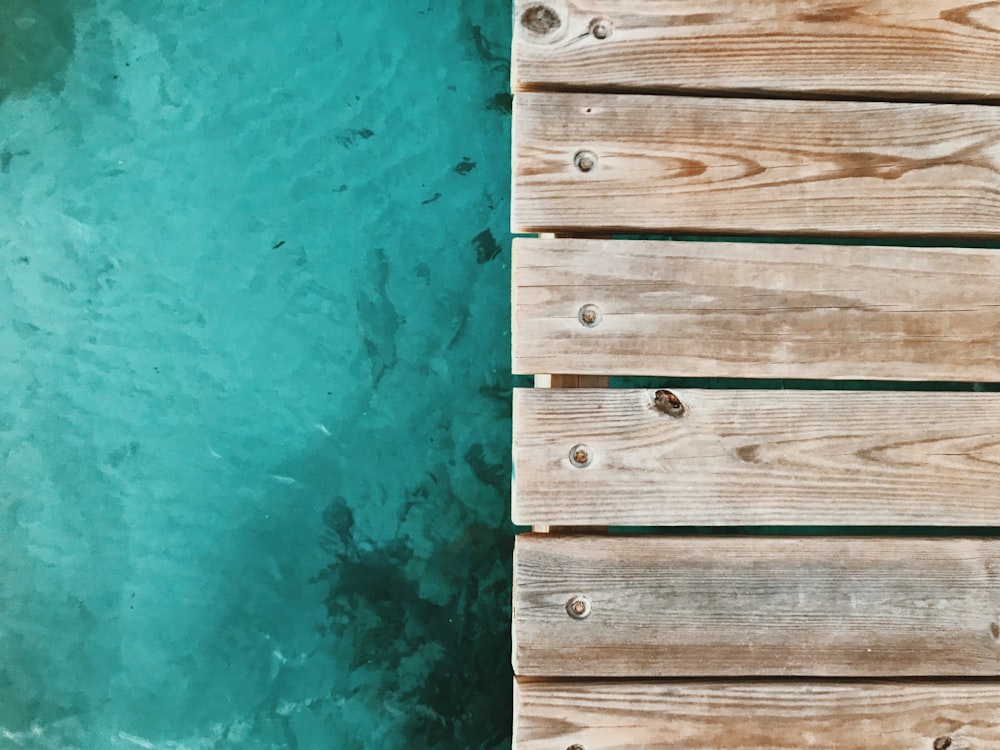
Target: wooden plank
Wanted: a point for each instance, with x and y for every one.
(785, 715)
(756, 457)
(604, 163)
(545, 381)
(918, 49)
(570, 381)
(756, 606)
(756, 311)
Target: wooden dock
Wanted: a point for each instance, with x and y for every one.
(872, 127)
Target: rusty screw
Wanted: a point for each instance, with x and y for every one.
(579, 456)
(578, 607)
(600, 28)
(668, 403)
(585, 160)
(589, 316)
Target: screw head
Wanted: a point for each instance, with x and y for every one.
(601, 28)
(578, 607)
(579, 456)
(585, 160)
(589, 316)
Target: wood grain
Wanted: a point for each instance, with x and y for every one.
(570, 381)
(785, 715)
(757, 311)
(743, 166)
(549, 381)
(916, 49)
(757, 457)
(756, 606)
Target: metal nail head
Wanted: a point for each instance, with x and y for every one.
(589, 316)
(600, 28)
(585, 160)
(579, 456)
(578, 607)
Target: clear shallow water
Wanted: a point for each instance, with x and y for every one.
(254, 410)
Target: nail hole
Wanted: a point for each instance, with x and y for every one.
(540, 19)
(578, 607)
(579, 456)
(942, 743)
(589, 316)
(585, 160)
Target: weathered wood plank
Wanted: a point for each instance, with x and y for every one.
(756, 457)
(602, 163)
(785, 715)
(916, 49)
(756, 311)
(545, 381)
(755, 606)
(549, 380)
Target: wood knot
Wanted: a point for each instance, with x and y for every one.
(942, 743)
(540, 19)
(995, 630)
(668, 403)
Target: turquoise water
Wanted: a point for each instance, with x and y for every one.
(254, 389)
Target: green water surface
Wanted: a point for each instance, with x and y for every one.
(254, 389)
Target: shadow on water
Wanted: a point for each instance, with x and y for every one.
(37, 39)
(427, 606)
(460, 694)
(406, 529)
(419, 612)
